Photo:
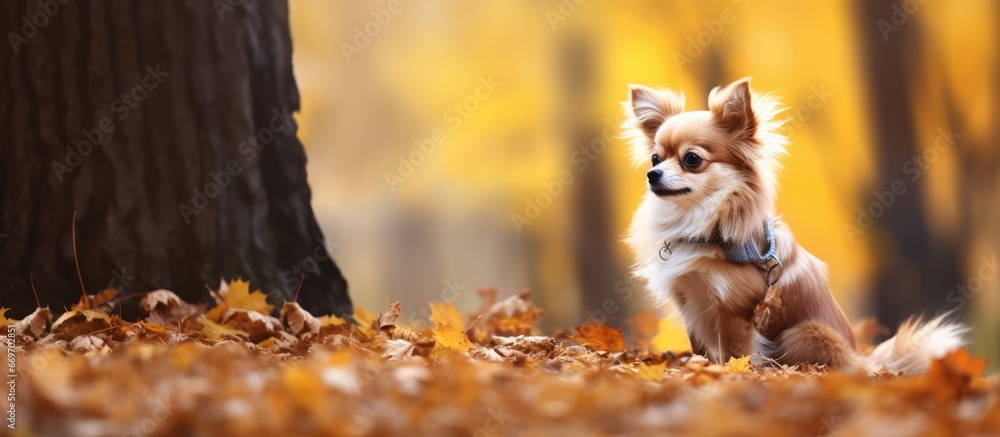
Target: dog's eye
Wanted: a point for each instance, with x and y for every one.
(656, 160)
(692, 160)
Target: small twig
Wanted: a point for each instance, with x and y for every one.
(473, 323)
(301, 280)
(86, 301)
(32, 279)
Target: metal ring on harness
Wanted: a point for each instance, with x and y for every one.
(776, 269)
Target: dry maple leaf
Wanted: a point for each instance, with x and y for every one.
(35, 324)
(513, 316)
(257, 326)
(739, 365)
(166, 308)
(652, 373)
(446, 314)
(215, 332)
(87, 343)
(448, 340)
(331, 320)
(954, 373)
(599, 337)
(398, 349)
(76, 323)
(298, 320)
(238, 295)
(365, 322)
(95, 301)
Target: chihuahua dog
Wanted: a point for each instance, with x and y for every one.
(708, 245)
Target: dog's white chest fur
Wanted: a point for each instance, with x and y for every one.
(689, 278)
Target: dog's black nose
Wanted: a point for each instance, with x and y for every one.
(654, 175)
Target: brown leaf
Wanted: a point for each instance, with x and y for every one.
(95, 301)
(258, 326)
(77, 323)
(166, 308)
(34, 324)
(298, 320)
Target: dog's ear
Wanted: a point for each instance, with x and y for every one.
(650, 108)
(732, 109)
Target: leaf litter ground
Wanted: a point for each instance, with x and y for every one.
(234, 370)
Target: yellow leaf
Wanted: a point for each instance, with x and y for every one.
(331, 320)
(365, 321)
(448, 340)
(652, 373)
(239, 296)
(670, 337)
(214, 332)
(739, 365)
(3, 316)
(446, 314)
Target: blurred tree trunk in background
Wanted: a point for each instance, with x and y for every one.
(168, 127)
(597, 268)
(917, 270)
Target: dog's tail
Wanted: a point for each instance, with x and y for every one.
(915, 346)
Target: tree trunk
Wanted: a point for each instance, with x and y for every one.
(915, 270)
(167, 127)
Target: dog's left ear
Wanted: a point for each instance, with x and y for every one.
(731, 108)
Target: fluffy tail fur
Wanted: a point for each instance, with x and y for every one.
(915, 345)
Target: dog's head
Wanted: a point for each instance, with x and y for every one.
(720, 163)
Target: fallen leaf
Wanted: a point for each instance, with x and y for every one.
(163, 307)
(239, 296)
(652, 373)
(448, 340)
(35, 324)
(299, 320)
(739, 365)
(599, 337)
(446, 314)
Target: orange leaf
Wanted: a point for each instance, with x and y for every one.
(599, 337)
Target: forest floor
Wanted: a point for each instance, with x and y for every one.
(234, 370)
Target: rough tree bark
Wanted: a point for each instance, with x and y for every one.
(167, 126)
